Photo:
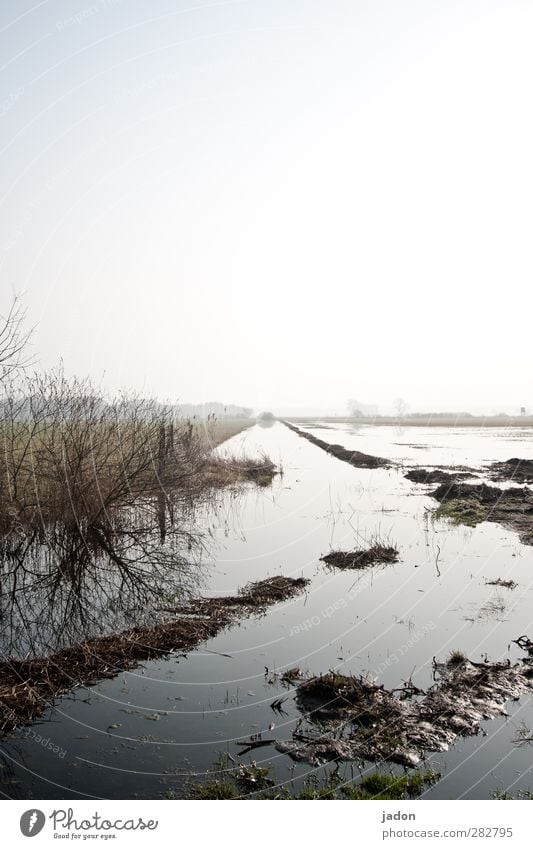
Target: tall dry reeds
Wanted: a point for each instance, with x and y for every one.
(69, 456)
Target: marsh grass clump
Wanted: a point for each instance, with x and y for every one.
(456, 657)
(333, 696)
(501, 795)
(377, 785)
(215, 790)
(252, 778)
(377, 552)
(504, 795)
(462, 512)
(384, 786)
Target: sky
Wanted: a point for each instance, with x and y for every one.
(278, 203)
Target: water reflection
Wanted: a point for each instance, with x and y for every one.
(60, 585)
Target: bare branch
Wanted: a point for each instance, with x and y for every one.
(14, 339)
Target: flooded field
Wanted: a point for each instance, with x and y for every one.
(154, 729)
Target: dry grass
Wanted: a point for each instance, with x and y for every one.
(220, 430)
(65, 456)
(229, 470)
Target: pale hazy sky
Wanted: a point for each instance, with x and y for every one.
(279, 203)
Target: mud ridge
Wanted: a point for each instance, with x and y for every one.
(28, 687)
(514, 469)
(426, 476)
(354, 458)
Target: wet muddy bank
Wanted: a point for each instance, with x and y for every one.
(515, 469)
(354, 718)
(433, 476)
(471, 504)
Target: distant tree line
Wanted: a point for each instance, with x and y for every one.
(214, 409)
(30, 404)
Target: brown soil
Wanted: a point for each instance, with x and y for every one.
(512, 508)
(354, 458)
(28, 687)
(361, 558)
(350, 718)
(514, 469)
(426, 476)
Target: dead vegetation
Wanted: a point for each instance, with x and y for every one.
(69, 456)
(523, 736)
(456, 657)
(350, 717)
(28, 687)
(217, 431)
(361, 558)
(501, 582)
(230, 470)
(525, 644)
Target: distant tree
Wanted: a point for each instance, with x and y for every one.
(401, 407)
(355, 408)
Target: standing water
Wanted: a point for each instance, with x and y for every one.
(151, 731)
